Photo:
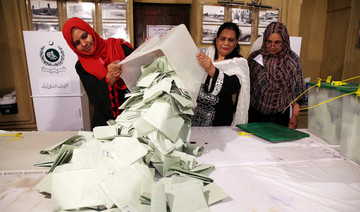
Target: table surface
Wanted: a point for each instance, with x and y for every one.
(302, 175)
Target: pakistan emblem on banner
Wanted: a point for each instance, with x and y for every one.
(52, 57)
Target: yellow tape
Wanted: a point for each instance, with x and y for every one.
(15, 136)
(326, 101)
(328, 79)
(351, 78)
(245, 134)
(318, 84)
(342, 82)
(338, 83)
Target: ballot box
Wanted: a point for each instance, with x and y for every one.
(338, 120)
(324, 121)
(180, 50)
(60, 101)
(350, 126)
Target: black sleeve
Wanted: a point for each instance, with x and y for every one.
(231, 85)
(127, 50)
(97, 92)
(207, 81)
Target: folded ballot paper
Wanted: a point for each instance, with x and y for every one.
(140, 162)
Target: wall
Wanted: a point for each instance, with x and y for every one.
(289, 15)
(341, 56)
(337, 27)
(13, 70)
(312, 31)
(305, 18)
(6, 85)
(352, 54)
(17, 18)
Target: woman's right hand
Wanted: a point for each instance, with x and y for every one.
(114, 72)
(206, 63)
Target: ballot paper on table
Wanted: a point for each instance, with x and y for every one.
(188, 159)
(75, 140)
(94, 154)
(213, 193)
(158, 197)
(203, 169)
(50, 155)
(78, 188)
(127, 150)
(124, 188)
(194, 149)
(105, 132)
(64, 156)
(45, 160)
(187, 196)
(194, 175)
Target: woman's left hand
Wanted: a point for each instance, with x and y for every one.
(206, 63)
(295, 114)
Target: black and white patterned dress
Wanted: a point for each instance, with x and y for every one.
(215, 106)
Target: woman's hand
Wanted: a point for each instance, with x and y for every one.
(114, 72)
(295, 114)
(206, 63)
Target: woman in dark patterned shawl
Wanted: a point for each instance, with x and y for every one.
(276, 79)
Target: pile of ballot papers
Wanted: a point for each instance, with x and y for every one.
(140, 162)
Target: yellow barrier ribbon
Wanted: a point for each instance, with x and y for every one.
(338, 83)
(351, 78)
(15, 136)
(245, 134)
(318, 84)
(327, 101)
(328, 80)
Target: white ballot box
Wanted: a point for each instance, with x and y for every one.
(324, 121)
(180, 50)
(338, 120)
(350, 126)
(60, 102)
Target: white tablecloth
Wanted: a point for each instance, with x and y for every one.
(303, 175)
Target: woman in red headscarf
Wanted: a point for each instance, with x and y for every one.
(98, 69)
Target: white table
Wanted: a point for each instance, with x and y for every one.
(20, 155)
(18, 176)
(302, 175)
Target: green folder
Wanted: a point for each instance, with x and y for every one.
(273, 132)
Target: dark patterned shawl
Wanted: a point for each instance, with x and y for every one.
(280, 80)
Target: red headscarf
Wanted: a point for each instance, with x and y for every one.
(105, 51)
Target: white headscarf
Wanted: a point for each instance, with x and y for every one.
(236, 66)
